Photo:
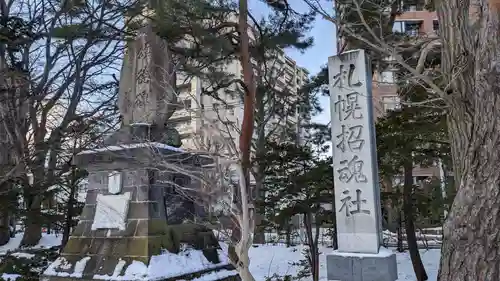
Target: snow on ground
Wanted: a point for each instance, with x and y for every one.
(267, 260)
(47, 241)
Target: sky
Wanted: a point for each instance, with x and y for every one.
(312, 59)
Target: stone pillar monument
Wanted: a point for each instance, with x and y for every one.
(136, 224)
(360, 256)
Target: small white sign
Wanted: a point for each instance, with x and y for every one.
(111, 211)
(115, 182)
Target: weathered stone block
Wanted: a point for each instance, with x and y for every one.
(88, 212)
(142, 228)
(142, 193)
(91, 196)
(362, 267)
(134, 178)
(137, 246)
(98, 179)
(82, 229)
(138, 210)
(78, 245)
(129, 230)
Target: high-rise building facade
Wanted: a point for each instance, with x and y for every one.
(197, 110)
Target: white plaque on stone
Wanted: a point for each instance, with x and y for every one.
(115, 182)
(111, 211)
(357, 196)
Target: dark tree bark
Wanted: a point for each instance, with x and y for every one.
(411, 238)
(400, 243)
(312, 243)
(470, 61)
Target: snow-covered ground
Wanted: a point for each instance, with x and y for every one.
(47, 241)
(267, 260)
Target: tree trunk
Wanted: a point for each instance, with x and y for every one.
(470, 61)
(70, 210)
(312, 243)
(391, 217)
(400, 246)
(33, 223)
(260, 116)
(4, 228)
(411, 238)
(288, 234)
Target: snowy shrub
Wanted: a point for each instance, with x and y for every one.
(277, 277)
(27, 264)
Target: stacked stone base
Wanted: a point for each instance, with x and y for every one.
(104, 254)
(362, 267)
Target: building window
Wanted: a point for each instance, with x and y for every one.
(391, 103)
(230, 109)
(387, 77)
(215, 106)
(413, 6)
(398, 27)
(411, 28)
(435, 26)
(187, 104)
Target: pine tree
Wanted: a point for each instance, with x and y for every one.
(409, 136)
(300, 182)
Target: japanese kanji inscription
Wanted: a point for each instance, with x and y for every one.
(355, 168)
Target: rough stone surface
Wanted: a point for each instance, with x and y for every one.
(361, 268)
(157, 217)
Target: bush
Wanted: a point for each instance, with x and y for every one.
(29, 268)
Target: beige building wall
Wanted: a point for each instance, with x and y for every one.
(227, 116)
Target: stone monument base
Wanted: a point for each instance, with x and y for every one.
(362, 267)
(177, 252)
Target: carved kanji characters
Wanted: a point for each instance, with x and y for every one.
(352, 169)
(352, 207)
(351, 137)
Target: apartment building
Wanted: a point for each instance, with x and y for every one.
(414, 21)
(228, 113)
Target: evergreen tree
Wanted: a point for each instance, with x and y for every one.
(412, 135)
(300, 182)
(214, 45)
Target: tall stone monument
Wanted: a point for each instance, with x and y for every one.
(136, 223)
(359, 256)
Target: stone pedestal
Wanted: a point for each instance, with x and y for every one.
(362, 267)
(130, 183)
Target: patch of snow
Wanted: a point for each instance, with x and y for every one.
(212, 276)
(119, 267)
(136, 271)
(156, 145)
(62, 263)
(80, 267)
(111, 211)
(266, 260)
(10, 277)
(47, 241)
(116, 272)
(23, 255)
(187, 261)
